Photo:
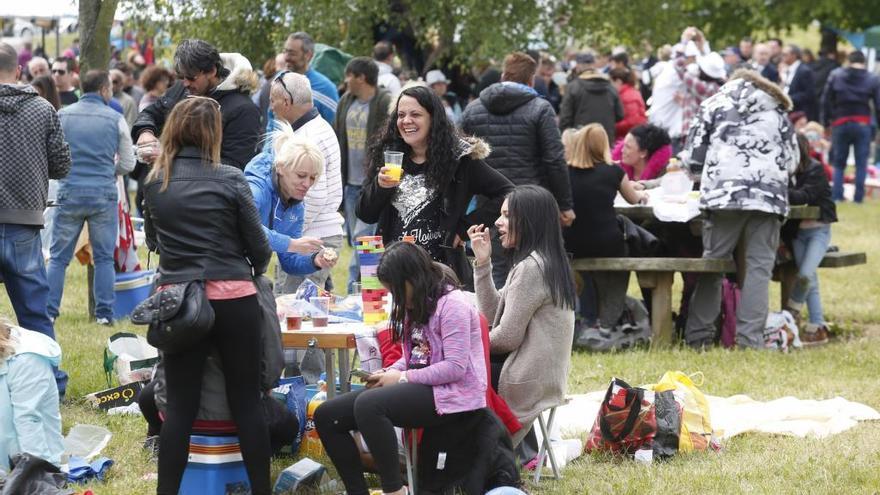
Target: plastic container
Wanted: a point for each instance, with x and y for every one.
(215, 467)
(675, 181)
(131, 288)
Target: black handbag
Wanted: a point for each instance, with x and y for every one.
(178, 317)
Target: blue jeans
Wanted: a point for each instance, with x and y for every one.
(809, 248)
(24, 274)
(842, 137)
(99, 209)
(354, 228)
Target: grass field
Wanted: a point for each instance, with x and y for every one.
(752, 463)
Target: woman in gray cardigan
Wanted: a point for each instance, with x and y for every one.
(533, 315)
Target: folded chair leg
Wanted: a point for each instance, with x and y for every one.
(552, 454)
(410, 478)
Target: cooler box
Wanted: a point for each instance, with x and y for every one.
(215, 467)
(131, 288)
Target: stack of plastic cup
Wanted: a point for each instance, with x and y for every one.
(370, 250)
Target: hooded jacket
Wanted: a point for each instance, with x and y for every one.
(30, 420)
(521, 129)
(848, 93)
(743, 147)
(591, 98)
(281, 221)
(376, 120)
(241, 118)
(33, 149)
(633, 111)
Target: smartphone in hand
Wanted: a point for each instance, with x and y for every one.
(362, 374)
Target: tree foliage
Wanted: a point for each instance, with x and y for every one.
(468, 31)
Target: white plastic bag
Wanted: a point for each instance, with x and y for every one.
(130, 358)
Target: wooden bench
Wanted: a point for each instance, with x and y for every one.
(656, 274)
(786, 274)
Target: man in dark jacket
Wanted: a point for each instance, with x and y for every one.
(32, 151)
(846, 108)
(229, 79)
(360, 116)
(799, 82)
(526, 144)
(590, 98)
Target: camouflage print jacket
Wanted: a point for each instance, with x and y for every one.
(743, 147)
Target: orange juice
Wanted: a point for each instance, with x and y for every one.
(394, 170)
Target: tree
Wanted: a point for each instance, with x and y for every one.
(464, 32)
(95, 21)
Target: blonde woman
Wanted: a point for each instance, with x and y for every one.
(29, 418)
(595, 182)
(279, 180)
(201, 218)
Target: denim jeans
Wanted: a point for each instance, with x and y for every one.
(842, 137)
(809, 247)
(24, 275)
(354, 228)
(100, 210)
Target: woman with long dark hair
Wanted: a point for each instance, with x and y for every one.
(200, 216)
(442, 171)
(533, 315)
(46, 88)
(441, 374)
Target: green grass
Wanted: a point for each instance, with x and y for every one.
(754, 463)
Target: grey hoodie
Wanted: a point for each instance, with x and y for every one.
(32, 151)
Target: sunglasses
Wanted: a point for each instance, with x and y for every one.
(280, 79)
(188, 78)
(59, 71)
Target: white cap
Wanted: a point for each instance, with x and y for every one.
(435, 76)
(713, 65)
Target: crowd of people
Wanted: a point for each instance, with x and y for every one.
(517, 172)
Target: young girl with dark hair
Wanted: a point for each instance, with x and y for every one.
(809, 241)
(441, 374)
(442, 171)
(533, 315)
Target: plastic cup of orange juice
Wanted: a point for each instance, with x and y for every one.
(394, 164)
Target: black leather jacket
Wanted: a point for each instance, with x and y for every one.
(205, 225)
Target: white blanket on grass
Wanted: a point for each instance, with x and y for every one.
(739, 414)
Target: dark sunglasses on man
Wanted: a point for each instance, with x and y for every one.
(60, 72)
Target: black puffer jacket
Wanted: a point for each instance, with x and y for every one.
(241, 118)
(526, 144)
(591, 98)
(205, 224)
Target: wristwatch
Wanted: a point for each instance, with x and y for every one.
(402, 378)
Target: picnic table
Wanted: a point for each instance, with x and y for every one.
(335, 337)
(657, 273)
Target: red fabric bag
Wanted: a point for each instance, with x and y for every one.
(626, 421)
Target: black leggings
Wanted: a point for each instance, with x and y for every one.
(235, 335)
(147, 403)
(375, 413)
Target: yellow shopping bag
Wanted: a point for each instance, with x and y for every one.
(696, 423)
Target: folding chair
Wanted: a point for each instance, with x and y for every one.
(546, 449)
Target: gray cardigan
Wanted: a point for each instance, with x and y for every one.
(536, 334)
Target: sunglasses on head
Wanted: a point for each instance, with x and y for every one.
(59, 71)
(279, 78)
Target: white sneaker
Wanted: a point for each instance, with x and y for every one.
(107, 322)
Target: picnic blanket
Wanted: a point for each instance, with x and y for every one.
(738, 414)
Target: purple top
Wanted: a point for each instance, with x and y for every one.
(458, 364)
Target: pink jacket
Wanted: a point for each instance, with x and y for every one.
(458, 366)
(654, 166)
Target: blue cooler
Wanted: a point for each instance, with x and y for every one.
(215, 467)
(131, 288)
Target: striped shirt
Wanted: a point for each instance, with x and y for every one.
(322, 218)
